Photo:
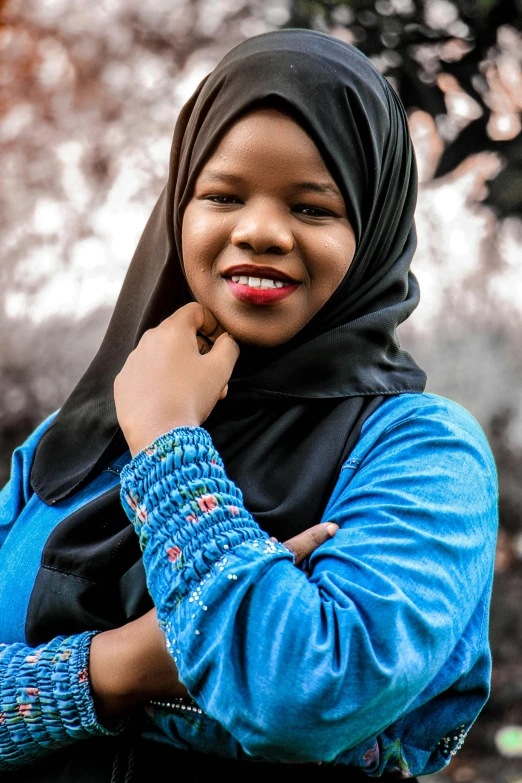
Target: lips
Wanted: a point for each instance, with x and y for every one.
(263, 272)
(259, 285)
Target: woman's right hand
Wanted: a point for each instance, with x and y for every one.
(130, 665)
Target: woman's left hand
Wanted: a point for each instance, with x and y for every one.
(166, 382)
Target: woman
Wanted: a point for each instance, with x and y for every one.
(284, 239)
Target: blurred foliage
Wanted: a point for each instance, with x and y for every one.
(89, 94)
(459, 61)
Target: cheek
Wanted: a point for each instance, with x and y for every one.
(333, 258)
(202, 237)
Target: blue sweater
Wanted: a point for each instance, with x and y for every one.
(377, 658)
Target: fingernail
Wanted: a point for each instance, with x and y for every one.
(332, 528)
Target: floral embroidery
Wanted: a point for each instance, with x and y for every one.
(131, 500)
(65, 655)
(34, 657)
(3, 717)
(25, 710)
(141, 513)
(32, 691)
(191, 518)
(372, 755)
(207, 503)
(174, 553)
(83, 676)
(233, 510)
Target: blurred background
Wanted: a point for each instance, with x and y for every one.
(89, 94)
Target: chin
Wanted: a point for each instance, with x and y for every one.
(261, 341)
(257, 338)
(260, 332)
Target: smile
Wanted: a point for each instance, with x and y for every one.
(260, 290)
(258, 282)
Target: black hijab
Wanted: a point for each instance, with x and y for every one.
(293, 413)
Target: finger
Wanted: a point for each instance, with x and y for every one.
(307, 542)
(195, 317)
(202, 320)
(205, 344)
(223, 356)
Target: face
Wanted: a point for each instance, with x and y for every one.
(266, 240)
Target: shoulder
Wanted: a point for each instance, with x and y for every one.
(427, 448)
(426, 418)
(422, 462)
(21, 463)
(422, 407)
(31, 442)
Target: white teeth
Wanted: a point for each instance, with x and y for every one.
(258, 282)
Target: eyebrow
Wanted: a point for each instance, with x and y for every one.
(317, 187)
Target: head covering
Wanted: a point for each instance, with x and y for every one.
(293, 412)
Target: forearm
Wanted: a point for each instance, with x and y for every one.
(245, 625)
(45, 698)
(129, 666)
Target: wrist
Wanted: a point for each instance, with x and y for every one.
(146, 438)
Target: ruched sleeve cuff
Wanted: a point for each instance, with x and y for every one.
(184, 507)
(45, 698)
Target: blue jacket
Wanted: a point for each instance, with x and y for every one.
(378, 658)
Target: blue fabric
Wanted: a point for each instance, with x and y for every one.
(45, 699)
(378, 659)
(25, 524)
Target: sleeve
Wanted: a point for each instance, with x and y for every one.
(45, 699)
(303, 668)
(17, 491)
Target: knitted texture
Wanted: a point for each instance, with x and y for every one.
(45, 698)
(184, 507)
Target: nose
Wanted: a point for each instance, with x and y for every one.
(263, 230)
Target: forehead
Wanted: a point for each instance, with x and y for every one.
(265, 137)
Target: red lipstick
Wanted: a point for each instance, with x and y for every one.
(258, 294)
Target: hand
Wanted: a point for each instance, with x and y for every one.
(309, 540)
(130, 665)
(167, 382)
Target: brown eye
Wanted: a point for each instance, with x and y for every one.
(312, 211)
(223, 199)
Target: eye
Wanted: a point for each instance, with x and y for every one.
(313, 212)
(219, 199)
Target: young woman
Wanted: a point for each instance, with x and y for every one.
(282, 242)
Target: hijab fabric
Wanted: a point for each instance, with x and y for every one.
(294, 412)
